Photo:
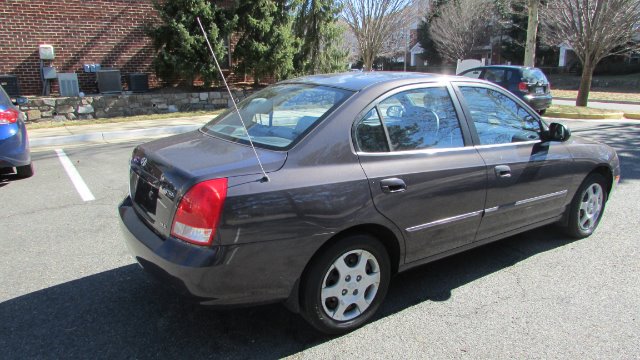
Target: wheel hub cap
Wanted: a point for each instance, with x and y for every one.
(590, 207)
(350, 285)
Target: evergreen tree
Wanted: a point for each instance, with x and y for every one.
(266, 45)
(182, 51)
(320, 37)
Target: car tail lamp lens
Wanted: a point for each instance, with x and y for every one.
(8, 116)
(199, 212)
(523, 86)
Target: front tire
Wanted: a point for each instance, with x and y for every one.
(345, 284)
(587, 207)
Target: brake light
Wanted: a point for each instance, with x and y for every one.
(199, 212)
(523, 86)
(8, 116)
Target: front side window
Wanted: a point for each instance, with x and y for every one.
(497, 118)
(279, 115)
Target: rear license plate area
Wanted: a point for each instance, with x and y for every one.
(539, 90)
(146, 196)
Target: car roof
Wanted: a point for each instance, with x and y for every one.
(357, 81)
(513, 67)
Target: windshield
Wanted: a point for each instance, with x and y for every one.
(278, 116)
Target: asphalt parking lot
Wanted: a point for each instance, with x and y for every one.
(69, 288)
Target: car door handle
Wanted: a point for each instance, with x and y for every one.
(503, 171)
(393, 185)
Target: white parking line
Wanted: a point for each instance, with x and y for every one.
(75, 177)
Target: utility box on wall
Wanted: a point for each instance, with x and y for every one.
(138, 82)
(109, 81)
(46, 52)
(10, 84)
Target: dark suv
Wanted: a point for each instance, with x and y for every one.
(529, 84)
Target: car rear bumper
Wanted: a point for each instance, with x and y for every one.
(539, 102)
(218, 275)
(14, 145)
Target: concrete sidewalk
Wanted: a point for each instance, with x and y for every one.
(112, 132)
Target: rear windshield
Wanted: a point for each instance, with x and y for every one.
(278, 116)
(534, 76)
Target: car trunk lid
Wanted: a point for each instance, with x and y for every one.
(162, 171)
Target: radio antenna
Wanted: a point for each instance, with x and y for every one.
(233, 100)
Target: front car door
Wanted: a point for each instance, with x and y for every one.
(424, 173)
(527, 177)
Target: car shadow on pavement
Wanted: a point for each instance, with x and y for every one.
(121, 313)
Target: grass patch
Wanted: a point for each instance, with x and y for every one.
(54, 124)
(632, 115)
(599, 95)
(580, 112)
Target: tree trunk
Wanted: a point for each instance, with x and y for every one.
(532, 32)
(585, 84)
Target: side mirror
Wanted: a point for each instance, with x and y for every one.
(558, 132)
(20, 100)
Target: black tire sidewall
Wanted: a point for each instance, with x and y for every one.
(311, 303)
(24, 171)
(573, 226)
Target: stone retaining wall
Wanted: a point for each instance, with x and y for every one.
(105, 106)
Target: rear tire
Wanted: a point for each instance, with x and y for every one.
(541, 112)
(587, 207)
(25, 171)
(345, 284)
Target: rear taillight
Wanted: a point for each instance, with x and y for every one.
(8, 116)
(199, 212)
(523, 86)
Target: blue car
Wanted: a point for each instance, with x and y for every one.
(14, 143)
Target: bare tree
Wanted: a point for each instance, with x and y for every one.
(461, 26)
(373, 22)
(594, 29)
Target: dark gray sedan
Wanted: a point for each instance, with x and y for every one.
(365, 175)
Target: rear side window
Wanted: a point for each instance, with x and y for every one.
(494, 75)
(370, 135)
(474, 74)
(412, 120)
(534, 76)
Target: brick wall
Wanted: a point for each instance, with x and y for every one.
(106, 32)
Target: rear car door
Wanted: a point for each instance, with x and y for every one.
(527, 177)
(424, 173)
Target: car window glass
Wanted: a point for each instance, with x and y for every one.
(430, 122)
(474, 74)
(5, 101)
(534, 76)
(499, 119)
(279, 115)
(494, 75)
(370, 135)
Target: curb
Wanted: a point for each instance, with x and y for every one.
(107, 136)
(627, 102)
(615, 115)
